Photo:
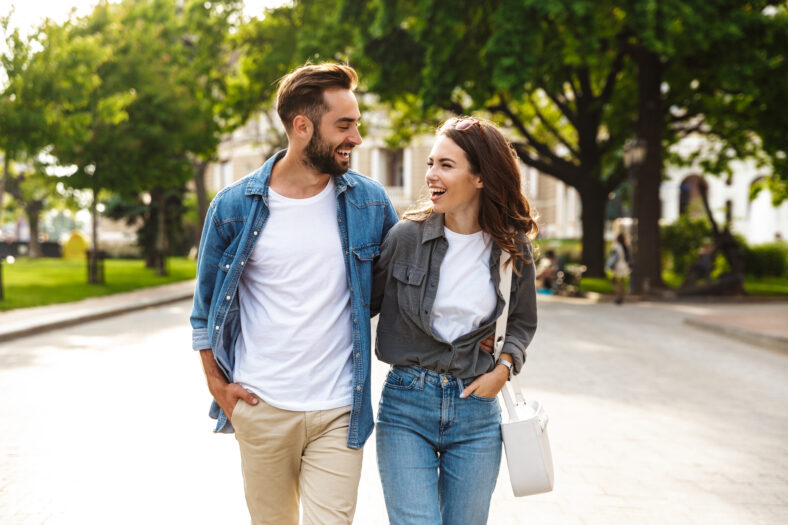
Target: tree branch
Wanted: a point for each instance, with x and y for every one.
(552, 129)
(567, 176)
(539, 146)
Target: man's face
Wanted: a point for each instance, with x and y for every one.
(328, 151)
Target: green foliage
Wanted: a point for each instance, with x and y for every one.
(37, 282)
(682, 240)
(767, 260)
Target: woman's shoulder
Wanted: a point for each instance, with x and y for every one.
(405, 230)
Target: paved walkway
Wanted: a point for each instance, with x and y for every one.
(652, 422)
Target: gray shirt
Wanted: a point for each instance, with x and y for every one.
(405, 282)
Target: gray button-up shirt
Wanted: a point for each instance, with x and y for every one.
(404, 286)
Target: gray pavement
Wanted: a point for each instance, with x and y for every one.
(651, 421)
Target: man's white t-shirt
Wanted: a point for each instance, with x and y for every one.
(466, 292)
(296, 342)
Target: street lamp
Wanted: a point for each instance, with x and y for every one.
(635, 150)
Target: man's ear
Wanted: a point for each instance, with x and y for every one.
(303, 127)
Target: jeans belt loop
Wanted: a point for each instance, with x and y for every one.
(460, 384)
(422, 376)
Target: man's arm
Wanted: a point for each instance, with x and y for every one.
(226, 394)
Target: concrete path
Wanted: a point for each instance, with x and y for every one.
(651, 421)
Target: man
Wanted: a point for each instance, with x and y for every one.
(281, 307)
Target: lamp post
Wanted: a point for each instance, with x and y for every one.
(634, 154)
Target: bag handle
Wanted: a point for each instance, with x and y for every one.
(505, 286)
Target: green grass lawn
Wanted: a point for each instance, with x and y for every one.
(37, 282)
(770, 286)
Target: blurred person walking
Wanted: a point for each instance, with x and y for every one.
(281, 315)
(619, 264)
(436, 284)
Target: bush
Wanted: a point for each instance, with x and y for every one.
(766, 260)
(682, 240)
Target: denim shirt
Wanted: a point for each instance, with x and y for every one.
(405, 284)
(234, 222)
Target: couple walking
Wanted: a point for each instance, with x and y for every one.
(294, 260)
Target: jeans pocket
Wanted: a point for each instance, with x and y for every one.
(400, 380)
(483, 399)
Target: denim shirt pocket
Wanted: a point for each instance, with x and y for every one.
(409, 287)
(364, 256)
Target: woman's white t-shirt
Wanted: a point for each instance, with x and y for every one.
(466, 292)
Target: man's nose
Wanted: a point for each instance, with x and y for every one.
(355, 138)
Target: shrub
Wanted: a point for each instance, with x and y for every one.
(682, 240)
(766, 260)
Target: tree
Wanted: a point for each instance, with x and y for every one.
(574, 79)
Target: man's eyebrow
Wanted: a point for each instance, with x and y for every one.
(347, 120)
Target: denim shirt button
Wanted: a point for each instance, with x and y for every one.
(228, 297)
(358, 354)
(217, 326)
(255, 233)
(358, 388)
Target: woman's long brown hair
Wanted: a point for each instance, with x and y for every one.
(505, 213)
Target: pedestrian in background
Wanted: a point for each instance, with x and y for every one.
(281, 315)
(619, 264)
(436, 283)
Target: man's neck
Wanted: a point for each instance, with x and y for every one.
(293, 179)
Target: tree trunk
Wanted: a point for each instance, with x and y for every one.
(202, 196)
(593, 202)
(647, 273)
(161, 233)
(3, 184)
(94, 275)
(33, 212)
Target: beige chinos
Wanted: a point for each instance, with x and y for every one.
(287, 454)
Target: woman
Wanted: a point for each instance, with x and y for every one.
(436, 287)
(618, 263)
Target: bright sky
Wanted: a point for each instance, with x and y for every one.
(29, 13)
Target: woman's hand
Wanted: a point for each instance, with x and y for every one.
(489, 384)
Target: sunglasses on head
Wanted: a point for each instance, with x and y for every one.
(461, 124)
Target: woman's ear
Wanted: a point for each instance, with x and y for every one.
(477, 182)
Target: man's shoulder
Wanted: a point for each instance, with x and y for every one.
(234, 195)
(365, 186)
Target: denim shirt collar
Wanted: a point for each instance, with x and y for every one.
(261, 179)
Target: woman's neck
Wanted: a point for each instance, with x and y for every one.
(463, 223)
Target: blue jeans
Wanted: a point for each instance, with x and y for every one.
(438, 454)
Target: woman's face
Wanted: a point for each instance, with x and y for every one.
(453, 188)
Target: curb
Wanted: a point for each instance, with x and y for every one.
(773, 341)
(95, 315)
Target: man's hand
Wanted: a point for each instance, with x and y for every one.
(489, 384)
(226, 394)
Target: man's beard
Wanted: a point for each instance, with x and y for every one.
(320, 156)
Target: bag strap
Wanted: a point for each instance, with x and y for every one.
(505, 286)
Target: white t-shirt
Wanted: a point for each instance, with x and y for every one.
(296, 342)
(466, 292)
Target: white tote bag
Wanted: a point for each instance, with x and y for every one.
(525, 441)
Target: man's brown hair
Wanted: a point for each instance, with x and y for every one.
(301, 91)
